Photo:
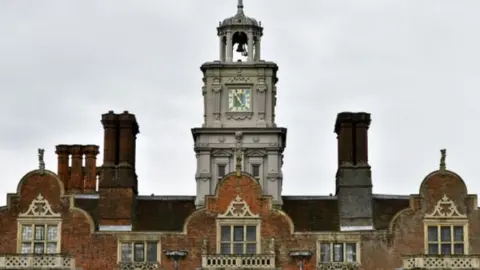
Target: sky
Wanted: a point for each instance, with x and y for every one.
(414, 65)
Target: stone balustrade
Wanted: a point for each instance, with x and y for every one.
(36, 261)
(441, 262)
(257, 261)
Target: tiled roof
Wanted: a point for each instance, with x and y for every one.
(308, 213)
(312, 213)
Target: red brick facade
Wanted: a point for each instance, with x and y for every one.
(302, 224)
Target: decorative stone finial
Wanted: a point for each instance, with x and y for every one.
(41, 162)
(443, 153)
(240, 5)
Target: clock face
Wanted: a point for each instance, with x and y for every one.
(239, 100)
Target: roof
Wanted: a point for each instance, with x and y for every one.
(308, 213)
(239, 19)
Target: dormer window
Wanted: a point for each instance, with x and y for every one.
(238, 230)
(446, 230)
(39, 229)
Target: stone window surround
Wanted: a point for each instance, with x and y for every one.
(39, 221)
(221, 161)
(339, 238)
(144, 237)
(449, 223)
(238, 222)
(256, 161)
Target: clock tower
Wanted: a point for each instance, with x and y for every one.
(239, 94)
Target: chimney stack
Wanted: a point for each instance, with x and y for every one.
(118, 181)
(91, 152)
(353, 180)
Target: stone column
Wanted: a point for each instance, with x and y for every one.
(229, 47)
(203, 177)
(222, 48)
(250, 46)
(257, 49)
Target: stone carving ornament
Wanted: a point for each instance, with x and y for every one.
(39, 207)
(445, 208)
(238, 208)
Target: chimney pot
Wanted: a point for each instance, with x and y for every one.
(91, 152)
(76, 173)
(63, 152)
(352, 131)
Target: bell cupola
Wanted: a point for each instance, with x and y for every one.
(240, 37)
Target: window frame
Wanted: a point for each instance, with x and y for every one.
(220, 161)
(43, 221)
(340, 237)
(344, 251)
(256, 161)
(446, 223)
(132, 243)
(238, 222)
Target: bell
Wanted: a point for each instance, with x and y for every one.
(240, 48)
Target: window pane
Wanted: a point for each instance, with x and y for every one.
(38, 248)
(27, 233)
(251, 248)
(256, 170)
(446, 249)
(351, 252)
(458, 234)
(325, 252)
(432, 233)
(433, 249)
(139, 252)
(445, 233)
(52, 248)
(225, 248)
(238, 233)
(225, 233)
(126, 252)
(52, 233)
(338, 252)
(458, 249)
(238, 248)
(26, 248)
(39, 232)
(152, 251)
(252, 233)
(221, 168)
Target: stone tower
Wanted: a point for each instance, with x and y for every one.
(239, 111)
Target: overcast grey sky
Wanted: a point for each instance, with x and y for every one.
(413, 64)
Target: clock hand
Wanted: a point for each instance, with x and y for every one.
(238, 99)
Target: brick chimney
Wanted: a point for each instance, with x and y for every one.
(90, 179)
(63, 152)
(118, 180)
(353, 180)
